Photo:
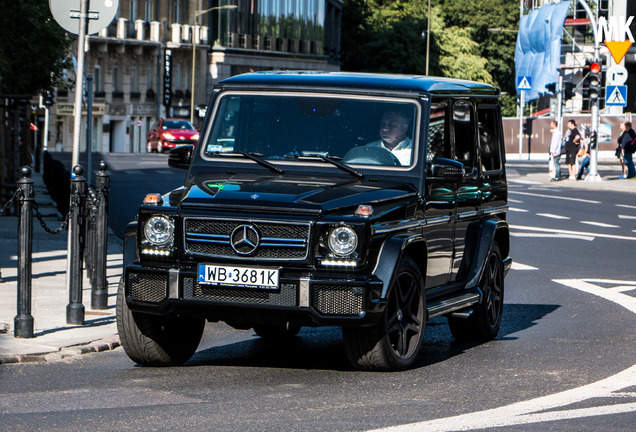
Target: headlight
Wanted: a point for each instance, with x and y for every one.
(159, 230)
(343, 240)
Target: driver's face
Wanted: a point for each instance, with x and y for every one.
(392, 129)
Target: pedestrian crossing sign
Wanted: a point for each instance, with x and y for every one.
(616, 96)
(524, 83)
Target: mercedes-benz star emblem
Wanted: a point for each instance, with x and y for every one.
(245, 239)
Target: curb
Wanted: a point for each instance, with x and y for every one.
(100, 345)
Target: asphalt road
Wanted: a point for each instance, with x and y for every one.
(565, 359)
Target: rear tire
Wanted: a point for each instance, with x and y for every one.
(485, 321)
(152, 340)
(394, 342)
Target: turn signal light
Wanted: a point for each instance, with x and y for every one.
(153, 199)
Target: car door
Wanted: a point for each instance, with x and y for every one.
(464, 148)
(439, 199)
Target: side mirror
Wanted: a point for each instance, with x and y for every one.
(179, 157)
(447, 169)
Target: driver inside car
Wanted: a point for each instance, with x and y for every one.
(394, 125)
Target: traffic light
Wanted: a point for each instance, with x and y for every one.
(593, 140)
(568, 90)
(595, 80)
(551, 87)
(47, 98)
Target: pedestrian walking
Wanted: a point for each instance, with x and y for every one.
(624, 141)
(584, 152)
(572, 142)
(556, 144)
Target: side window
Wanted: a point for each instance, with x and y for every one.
(464, 134)
(487, 117)
(438, 139)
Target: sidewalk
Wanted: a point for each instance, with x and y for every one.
(53, 338)
(609, 171)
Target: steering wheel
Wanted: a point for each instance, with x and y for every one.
(370, 155)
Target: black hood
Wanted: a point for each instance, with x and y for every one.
(287, 195)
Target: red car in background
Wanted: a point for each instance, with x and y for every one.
(166, 134)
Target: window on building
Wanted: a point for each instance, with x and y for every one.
(133, 10)
(134, 85)
(116, 77)
(148, 11)
(176, 11)
(97, 77)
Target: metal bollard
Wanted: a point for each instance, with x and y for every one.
(75, 308)
(23, 322)
(99, 293)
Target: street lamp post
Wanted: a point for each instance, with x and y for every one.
(194, 49)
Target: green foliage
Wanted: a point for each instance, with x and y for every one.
(386, 36)
(33, 47)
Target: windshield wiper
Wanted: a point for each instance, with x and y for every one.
(256, 157)
(332, 160)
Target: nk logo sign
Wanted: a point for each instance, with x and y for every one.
(618, 35)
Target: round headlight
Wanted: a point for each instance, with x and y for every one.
(343, 240)
(159, 230)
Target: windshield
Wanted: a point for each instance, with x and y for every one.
(291, 128)
(177, 124)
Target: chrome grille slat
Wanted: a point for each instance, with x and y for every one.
(211, 237)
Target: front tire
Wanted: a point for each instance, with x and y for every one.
(152, 340)
(485, 321)
(394, 342)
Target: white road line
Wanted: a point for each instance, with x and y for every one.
(558, 231)
(518, 210)
(530, 411)
(552, 216)
(555, 236)
(599, 224)
(519, 266)
(515, 201)
(525, 182)
(626, 217)
(625, 206)
(588, 201)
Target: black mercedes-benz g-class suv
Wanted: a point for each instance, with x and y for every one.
(370, 202)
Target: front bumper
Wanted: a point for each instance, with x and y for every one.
(306, 299)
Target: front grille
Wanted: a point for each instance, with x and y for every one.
(285, 296)
(337, 299)
(277, 241)
(147, 287)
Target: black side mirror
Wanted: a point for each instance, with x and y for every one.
(179, 157)
(447, 169)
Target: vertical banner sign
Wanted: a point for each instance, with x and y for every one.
(167, 78)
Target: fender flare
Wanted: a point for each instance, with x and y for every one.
(489, 230)
(389, 257)
(131, 252)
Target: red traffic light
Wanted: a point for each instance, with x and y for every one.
(595, 68)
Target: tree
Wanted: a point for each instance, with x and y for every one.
(33, 47)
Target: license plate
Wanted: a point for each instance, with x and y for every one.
(238, 277)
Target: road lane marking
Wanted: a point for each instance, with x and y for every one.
(533, 410)
(588, 201)
(558, 231)
(519, 266)
(625, 206)
(626, 217)
(552, 216)
(554, 236)
(524, 182)
(515, 201)
(518, 210)
(599, 224)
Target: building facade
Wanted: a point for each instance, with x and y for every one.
(159, 58)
